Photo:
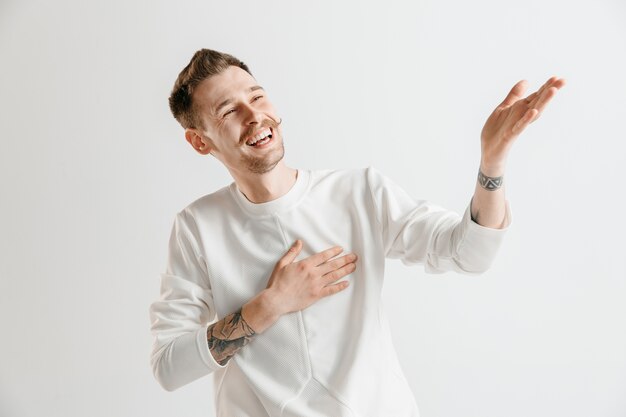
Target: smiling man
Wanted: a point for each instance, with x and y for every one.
(273, 283)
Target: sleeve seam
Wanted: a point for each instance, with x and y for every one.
(184, 217)
(373, 200)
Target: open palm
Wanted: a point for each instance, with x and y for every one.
(511, 117)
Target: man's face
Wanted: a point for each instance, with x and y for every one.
(235, 112)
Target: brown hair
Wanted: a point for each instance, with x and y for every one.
(204, 64)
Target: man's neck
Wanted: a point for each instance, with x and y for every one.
(261, 188)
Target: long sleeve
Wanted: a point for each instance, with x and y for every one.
(418, 232)
(179, 319)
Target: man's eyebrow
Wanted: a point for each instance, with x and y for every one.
(229, 100)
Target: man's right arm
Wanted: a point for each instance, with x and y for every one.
(293, 286)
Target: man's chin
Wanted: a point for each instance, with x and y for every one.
(266, 164)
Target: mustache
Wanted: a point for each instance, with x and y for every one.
(271, 123)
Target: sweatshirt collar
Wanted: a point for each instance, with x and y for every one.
(282, 203)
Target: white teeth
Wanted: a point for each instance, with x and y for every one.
(258, 137)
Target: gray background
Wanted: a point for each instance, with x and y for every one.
(93, 169)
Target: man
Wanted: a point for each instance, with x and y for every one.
(273, 283)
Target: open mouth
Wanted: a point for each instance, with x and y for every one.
(262, 139)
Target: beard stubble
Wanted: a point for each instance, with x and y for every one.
(265, 163)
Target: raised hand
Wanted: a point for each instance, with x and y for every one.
(510, 119)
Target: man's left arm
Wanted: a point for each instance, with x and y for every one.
(502, 128)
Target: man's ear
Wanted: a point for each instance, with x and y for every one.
(196, 140)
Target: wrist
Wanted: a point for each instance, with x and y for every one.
(492, 169)
(262, 311)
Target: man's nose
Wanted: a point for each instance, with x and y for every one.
(252, 115)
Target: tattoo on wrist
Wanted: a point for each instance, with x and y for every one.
(227, 336)
(489, 183)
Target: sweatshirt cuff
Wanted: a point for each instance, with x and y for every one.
(467, 217)
(203, 349)
(479, 245)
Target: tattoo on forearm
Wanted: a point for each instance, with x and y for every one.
(227, 336)
(489, 183)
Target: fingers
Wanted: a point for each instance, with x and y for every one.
(555, 82)
(515, 94)
(321, 257)
(537, 95)
(527, 118)
(339, 273)
(327, 270)
(291, 254)
(334, 289)
(542, 101)
(337, 263)
(536, 102)
(518, 90)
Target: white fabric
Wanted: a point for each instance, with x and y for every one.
(334, 358)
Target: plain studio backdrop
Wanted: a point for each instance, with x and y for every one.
(93, 169)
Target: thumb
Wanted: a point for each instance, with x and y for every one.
(291, 254)
(515, 94)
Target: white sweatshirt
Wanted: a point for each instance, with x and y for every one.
(334, 358)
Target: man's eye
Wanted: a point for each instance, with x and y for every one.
(228, 112)
(257, 97)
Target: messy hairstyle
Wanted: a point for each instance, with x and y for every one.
(204, 64)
